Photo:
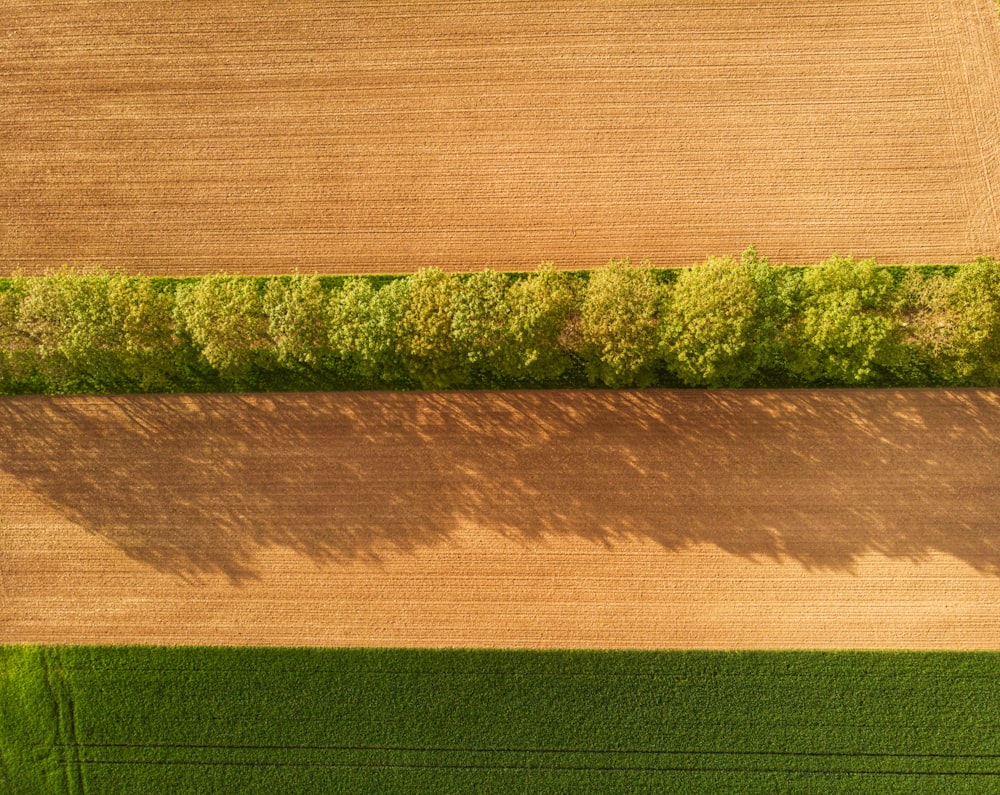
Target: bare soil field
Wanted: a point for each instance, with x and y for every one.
(655, 519)
(179, 138)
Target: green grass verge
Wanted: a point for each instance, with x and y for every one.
(197, 720)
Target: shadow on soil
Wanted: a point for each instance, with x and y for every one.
(196, 485)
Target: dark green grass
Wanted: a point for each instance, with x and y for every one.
(192, 720)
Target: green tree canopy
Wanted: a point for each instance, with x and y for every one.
(845, 331)
(90, 330)
(224, 317)
(298, 313)
(541, 326)
(425, 344)
(723, 321)
(364, 328)
(619, 336)
(479, 319)
(952, 324)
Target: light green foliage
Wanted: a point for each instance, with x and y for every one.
(364, 324)
(479, 319)
(952, 324)
(846, 330)
(619, 336)
(425, 344)
(723, 321)
(926, 321)
(90, 330)
(147, 352)
(224, 317)
(298, 320)
(542, 326)
(18, 357)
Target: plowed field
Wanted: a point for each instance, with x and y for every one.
(666, 519)
(191, 137)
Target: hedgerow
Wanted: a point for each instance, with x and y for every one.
(725, 323)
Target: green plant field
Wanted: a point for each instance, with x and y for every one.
(198, 720)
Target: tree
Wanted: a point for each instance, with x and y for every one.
(952, 324)
(98, 331)
(364, 326)
(479, 320)
(543, 315)
(224, 317)
(723, 321)
(150, 347)
(424, 343)
(846, 331)
(973, 349)
(618, 325)
(298, 313)
(18, 357)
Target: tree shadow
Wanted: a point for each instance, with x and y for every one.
(199, 484)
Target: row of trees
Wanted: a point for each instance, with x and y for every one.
(728, 322)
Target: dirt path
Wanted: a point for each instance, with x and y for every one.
(622, 519)
(193, 137)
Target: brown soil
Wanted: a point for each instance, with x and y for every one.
(192, 137)
(664, 519)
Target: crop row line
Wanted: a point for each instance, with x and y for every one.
(601, 751)
(553, 767)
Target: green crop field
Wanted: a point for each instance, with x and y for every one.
(196, 720)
